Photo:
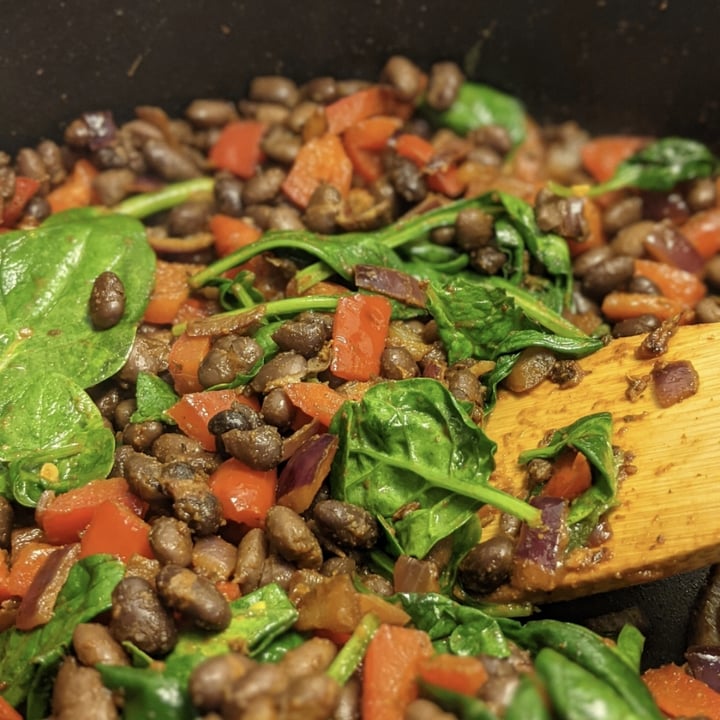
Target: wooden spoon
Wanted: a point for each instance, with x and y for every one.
(668, 517)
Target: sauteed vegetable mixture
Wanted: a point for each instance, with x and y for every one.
(245, 359)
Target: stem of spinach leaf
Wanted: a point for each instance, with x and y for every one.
(285, 306)
(353, 651)
(145, 204)
(482, 493)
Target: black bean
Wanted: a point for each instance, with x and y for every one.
(464, 385)
(323, 209)
(348, 705)
(169, 162)
(251, 556)
(229, 357)
(142, 435)
(238, 417)
(488, 260)
(29, 164)
(407, 179)
(263, 187)
(313, 656)
(281, 144)
(631, 239)
(265, 679)
(176, 446)
(583, 262)
(562, 215)
(113, 185)
(708, 309)
(194, 596)
(228, 195)
(312, 697)
(610, 275)
(194, 504)
(347, 524)
(52, 159)
(642, 284)
(273, 89)
(443, 85)
(266, 113)
(492, 137)
(635, 326)
(143, 475)
(38, 208)
(320, 90)
(622, 213)
(283, 368)
(211, 678)
(93, 643)
(107, 301)
(292, 538)
(171, 541)
(305, 338)
(214, 558)
(149, 354)
(210, 113)
(701, 194)
(79, 693)
(260, 448)
(473, 228)
(404, 76)
(188, 218)
(487, 565)
(277, 409)
(138, 616)
(284, 217)
(396, 363)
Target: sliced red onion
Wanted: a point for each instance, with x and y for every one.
(674, 381)
(102, 129)
(38, 605)
(667, 244)
(665, 206)
(544, 545)
(393, 283)
(305, 472)
(704, 664)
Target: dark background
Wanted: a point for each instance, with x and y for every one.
(646, 66)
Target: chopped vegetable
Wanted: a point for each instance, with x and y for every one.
(116, 530)
(184, 360)
(360, 328)
(238, 148)
(680, 695)
(245, 494)
(25, 188)
(77, 190)
(171, 290)
(364, 142)
(232, 233)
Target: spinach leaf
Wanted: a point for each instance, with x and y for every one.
(462, 706)
(630, 644)
(65, 445)
(85, 594)
(461, 629)
(258, 619)
(592, 436)
(661, 166)
(528, 702)
(479, 105)
(148, 693)
(408, 444)
(154, 398)
(483, 320)
(49, 350)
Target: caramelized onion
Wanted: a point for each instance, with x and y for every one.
(38, 605)
(674, 381)
(305, 472)
(393, 283)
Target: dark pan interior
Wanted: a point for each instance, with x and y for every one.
(645, 66)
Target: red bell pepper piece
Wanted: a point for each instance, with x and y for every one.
(25, 188)
(245, 494)
(238, 148)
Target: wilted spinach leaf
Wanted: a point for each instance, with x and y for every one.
(409, 445)
(49, 350)
(592, 436)
(477, 106)
(661, 166)
(154, 397)
(85, 594)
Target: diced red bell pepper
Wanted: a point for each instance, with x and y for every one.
(117, 530)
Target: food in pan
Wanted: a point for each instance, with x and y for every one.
(246, 357)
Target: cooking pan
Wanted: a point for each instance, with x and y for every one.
(613, 66)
